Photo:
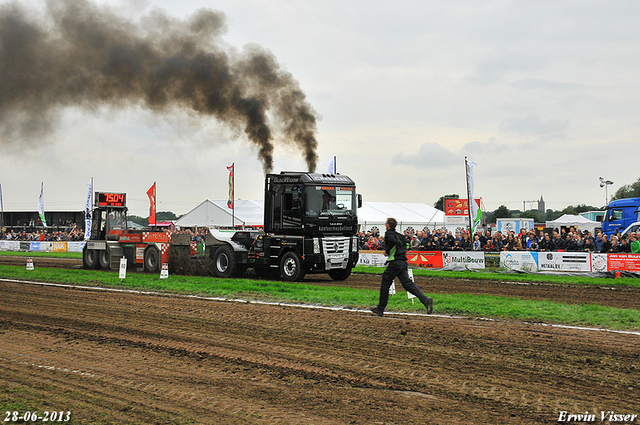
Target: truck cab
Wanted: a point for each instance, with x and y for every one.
(620, 214)
(309, 204)
(310, 226)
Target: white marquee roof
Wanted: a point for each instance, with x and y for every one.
(212, 213)
(568, 220)
(250, 212)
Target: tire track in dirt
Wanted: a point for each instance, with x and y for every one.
(160, 359)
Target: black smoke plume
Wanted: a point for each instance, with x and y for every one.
(82, 54)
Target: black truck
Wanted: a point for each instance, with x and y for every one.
(310, 226)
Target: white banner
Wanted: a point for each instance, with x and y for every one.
(468, 259)
(75, 246)
(10, 245)
(376, 259)
(519, 260)
(39, 246)
(599, 262)
(564, 261)
(87, 211)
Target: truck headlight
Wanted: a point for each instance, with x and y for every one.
(354, 244)
(316, 246)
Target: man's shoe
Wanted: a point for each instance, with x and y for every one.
(428, 303)
(376, 310)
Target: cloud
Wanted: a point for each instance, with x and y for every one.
(429, 155)
(536, 83)
(490, 147)
(494, 69)
(533, 125)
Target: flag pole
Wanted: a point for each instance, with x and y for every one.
(335, 165)
(469, 200)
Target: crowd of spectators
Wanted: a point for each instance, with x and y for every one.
(70, 232)
(571, 239)
(63, 231)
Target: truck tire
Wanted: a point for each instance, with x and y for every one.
(90, 258)
(105, 259)
(152, 260)
(340, 274)
(224, 262)
(291, 267)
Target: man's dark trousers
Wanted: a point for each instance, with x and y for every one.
(398, 268)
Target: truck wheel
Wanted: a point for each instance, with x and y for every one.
(340, 274)
(89, 258)
(225, 262)
(291, 267)
(152, 260)
(105, 259)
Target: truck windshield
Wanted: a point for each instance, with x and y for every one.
(322, 200)
(117, 219)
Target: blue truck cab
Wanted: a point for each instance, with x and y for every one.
(620, 214)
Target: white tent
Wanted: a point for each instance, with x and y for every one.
(214, 213)
(570, 220)
(415, 215)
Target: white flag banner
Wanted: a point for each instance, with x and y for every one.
(41, 205)
(332, 165)
(474, 211)
(87, 212)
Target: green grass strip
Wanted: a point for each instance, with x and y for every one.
(41, 254)
(514, 277)
(456, 304)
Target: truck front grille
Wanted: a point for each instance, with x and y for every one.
(336, 252)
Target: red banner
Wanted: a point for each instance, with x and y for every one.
(458, 207)
(626, 262)
(427, 259)
(151, 193)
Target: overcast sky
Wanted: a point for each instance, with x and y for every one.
(543, 96)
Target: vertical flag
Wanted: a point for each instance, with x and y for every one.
(41, 205)
(87, 212)
(474, 212)
(332, 165)
(231, 194)
(151, 193)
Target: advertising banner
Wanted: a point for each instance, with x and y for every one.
(467, 259)
(34, 246)
(75, 246)
(426, 259)
(372, 258)
(519, 260)
(456, 211)
(564, 261)
(623, 262)
(9, 245)
(59, 247)
(599, 263)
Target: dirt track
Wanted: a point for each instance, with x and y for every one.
(128, 358)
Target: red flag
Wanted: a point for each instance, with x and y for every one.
(151, 193)
(230, 201)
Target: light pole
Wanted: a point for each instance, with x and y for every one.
(605, 183)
